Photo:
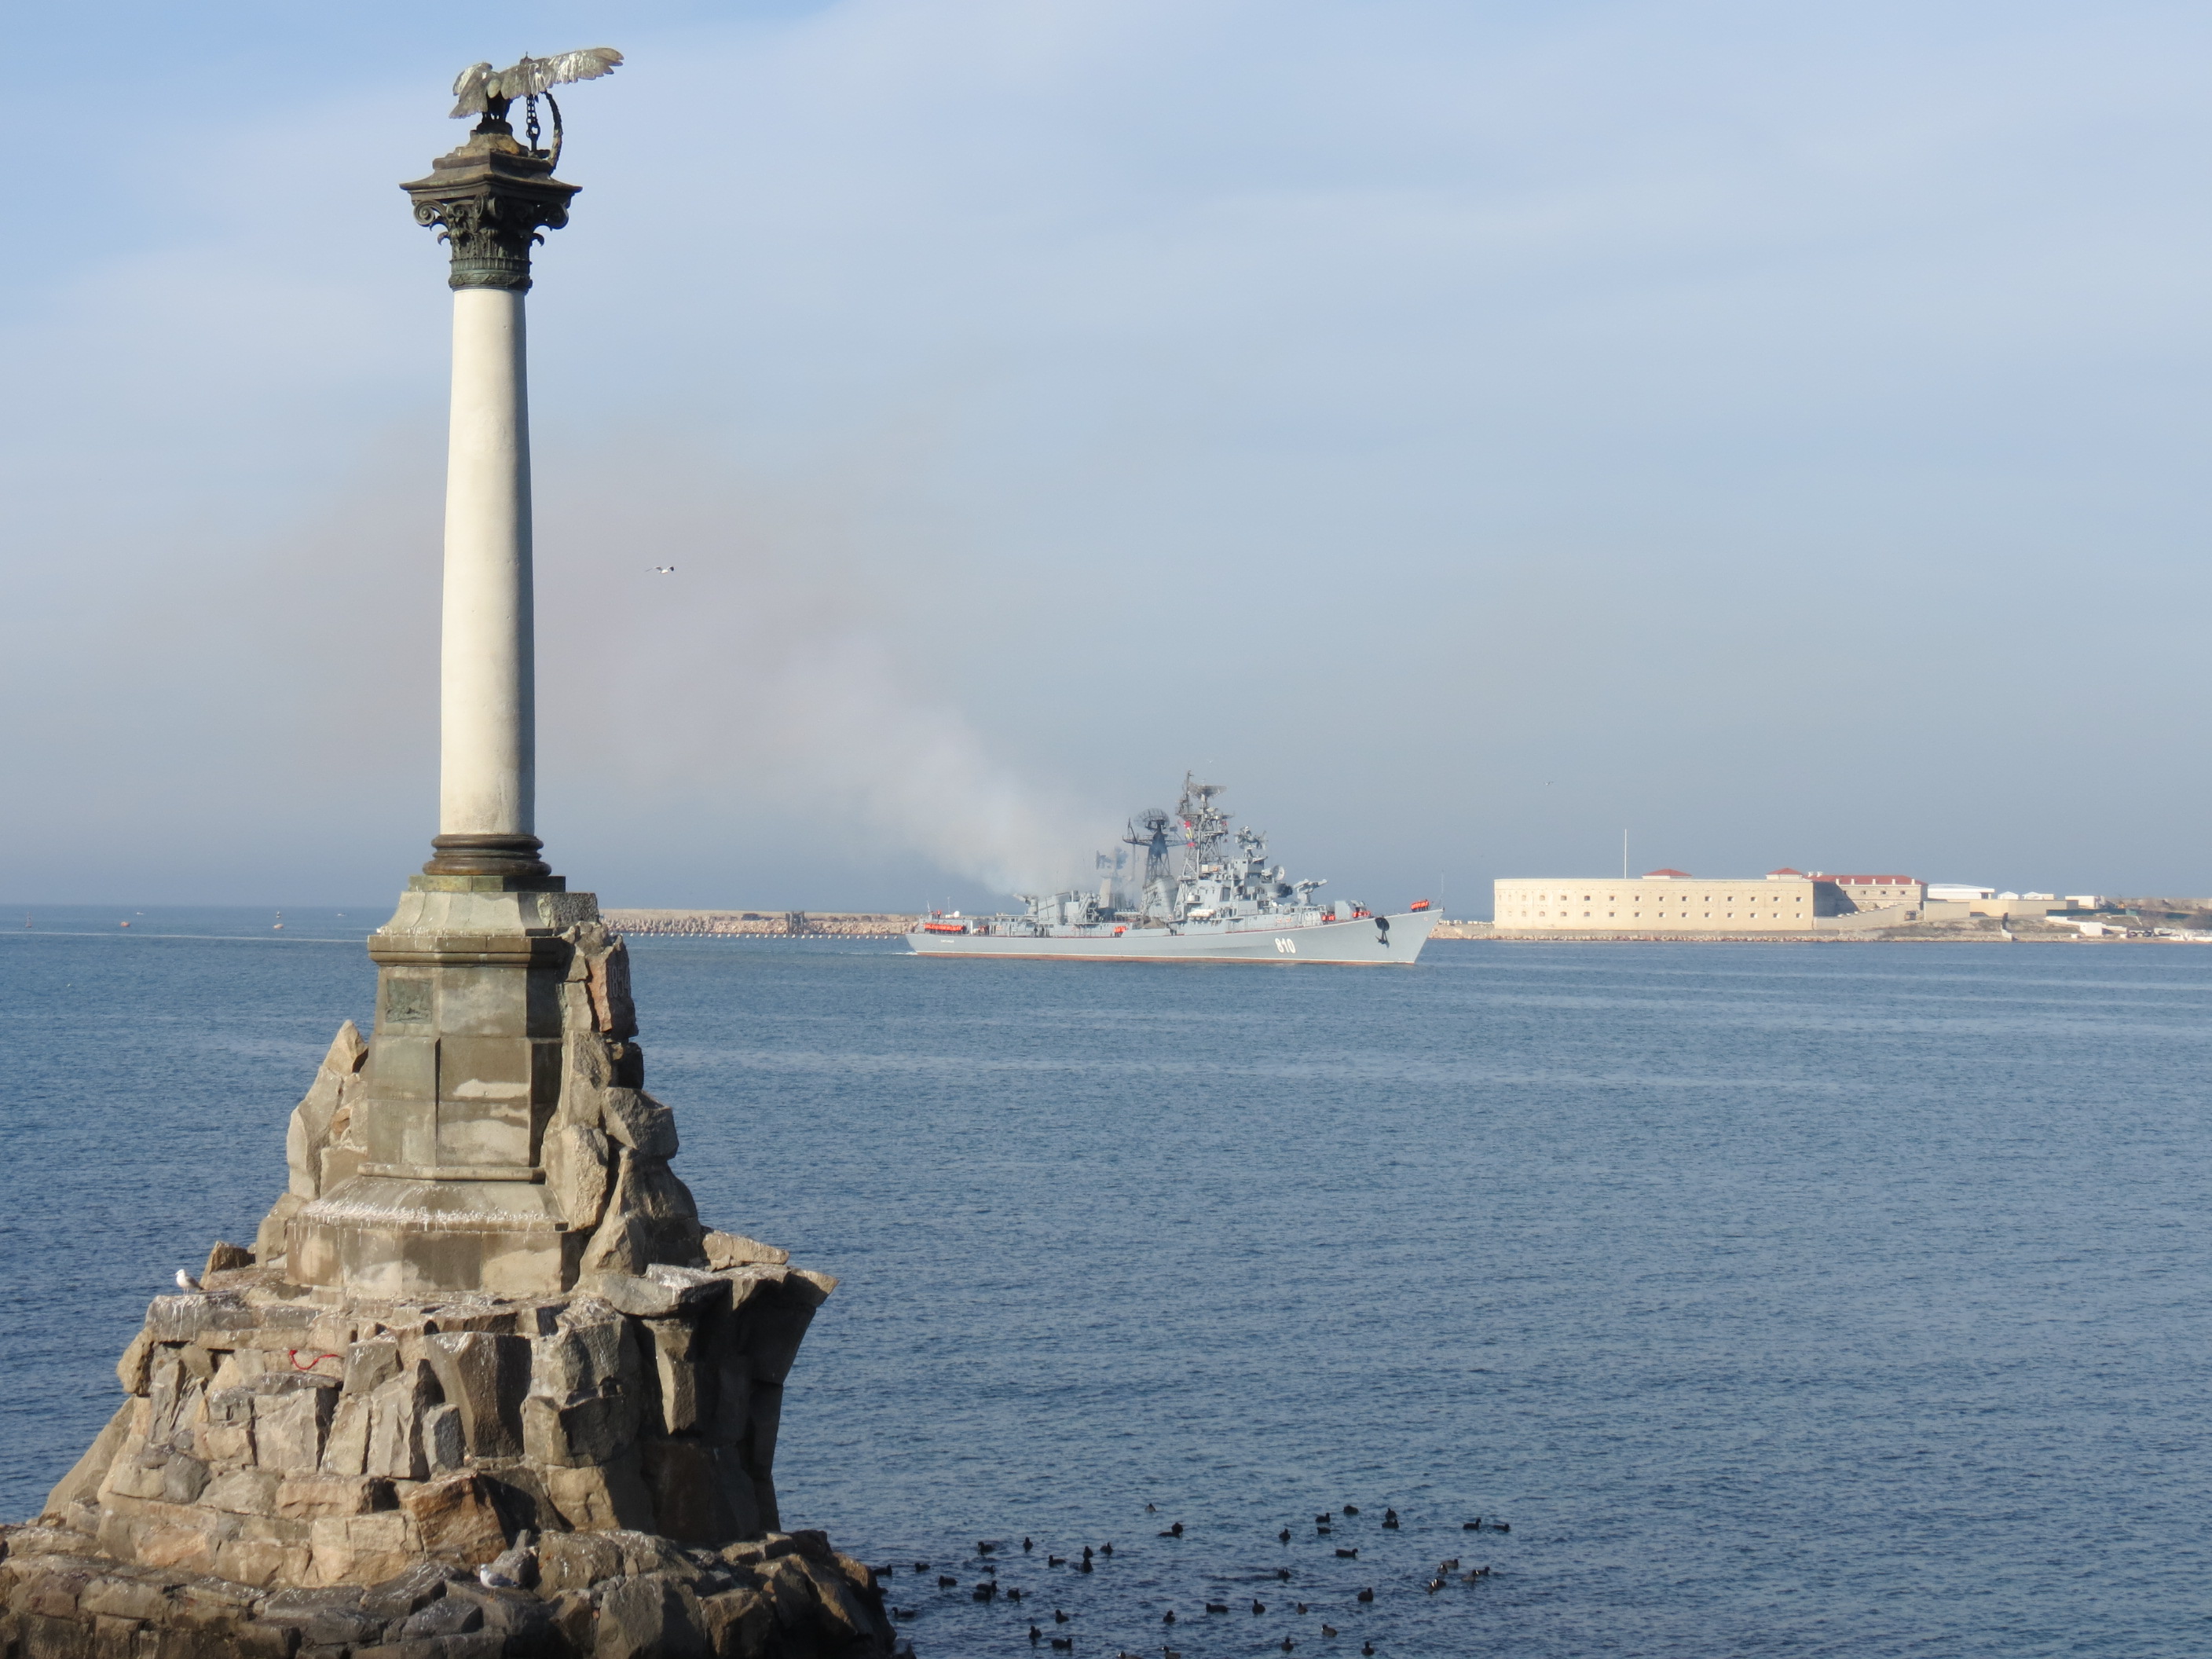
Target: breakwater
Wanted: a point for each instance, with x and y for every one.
(767, 924)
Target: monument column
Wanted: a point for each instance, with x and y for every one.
(471, 1158)
(489, 198)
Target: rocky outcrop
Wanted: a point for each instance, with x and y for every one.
(275, 1436)
(484, 1384)
(600, 1596)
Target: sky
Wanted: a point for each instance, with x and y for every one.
(1469, 431)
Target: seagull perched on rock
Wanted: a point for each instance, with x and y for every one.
(186, 1281)
(511, 1568)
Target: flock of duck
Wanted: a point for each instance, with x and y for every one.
(988, 1588)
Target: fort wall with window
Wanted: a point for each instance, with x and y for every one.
(1663, 901)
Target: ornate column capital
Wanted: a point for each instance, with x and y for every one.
(489, 198)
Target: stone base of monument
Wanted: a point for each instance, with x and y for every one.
(607, 1595)
(325, 1442)
(290, 1473)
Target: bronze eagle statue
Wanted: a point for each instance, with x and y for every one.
(483, 90)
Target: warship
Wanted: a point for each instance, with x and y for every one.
(1221, 901)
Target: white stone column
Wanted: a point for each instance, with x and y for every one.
(487, 776)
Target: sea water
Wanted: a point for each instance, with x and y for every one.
(1782, 1299)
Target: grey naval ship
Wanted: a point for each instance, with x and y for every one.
(1221, 901)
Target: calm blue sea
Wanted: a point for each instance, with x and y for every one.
(1783, 1299)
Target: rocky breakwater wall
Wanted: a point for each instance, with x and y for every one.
(763, 924)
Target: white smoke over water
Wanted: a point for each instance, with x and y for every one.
(843, 736)
(766, 726)
(785, 666)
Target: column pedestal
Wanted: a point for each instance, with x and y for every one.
(440, 1182)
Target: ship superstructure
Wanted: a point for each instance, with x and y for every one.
(1189, 885)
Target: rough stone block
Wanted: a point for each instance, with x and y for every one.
(701, 1493)
(736, 1251)
(847, 1610)
(345, 1448)
(309, 1130)
(289, 1428)
(395, 1428)
(443, 1442)
(315, 1497)
(184, 1478)
(772, 1324)
(243, 1492)
(676, 1374)
(158, 1536)
(650, 1218)
(602, 1496)
(369, 1364)
(577, 1560)
(137, 1473)
(456, 1519)
(408, 1591)
(661, 1291)
(591, 1348)
(654, 1617)
(325, 1618)
(269, 1237)
(449, 1615)
(261, 1561)
(230, 1407)
(485, 1376)
(362, 1549)
(736, 1622)
(227, 1445)
(225, 1257)
(591, 1431)
(123, 1593)
(606, 979)
(789, 1590)
(176, 1405)
(579, 1168)
(134, 1370)
(635, 1119)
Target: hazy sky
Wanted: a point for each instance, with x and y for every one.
(1466, 429)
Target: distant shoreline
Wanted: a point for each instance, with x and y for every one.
(879, 924)
(1468, 931)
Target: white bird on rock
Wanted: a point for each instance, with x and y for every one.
(186, 1281)
(511, 1568)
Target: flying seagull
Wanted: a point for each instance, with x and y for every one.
(480, 84)
(664, 570)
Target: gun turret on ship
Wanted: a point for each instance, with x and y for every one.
(1186, 886)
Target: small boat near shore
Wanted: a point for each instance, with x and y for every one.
(1220, 902)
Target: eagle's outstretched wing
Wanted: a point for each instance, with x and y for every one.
(534, 75)
(469, 88)
(480, 83)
